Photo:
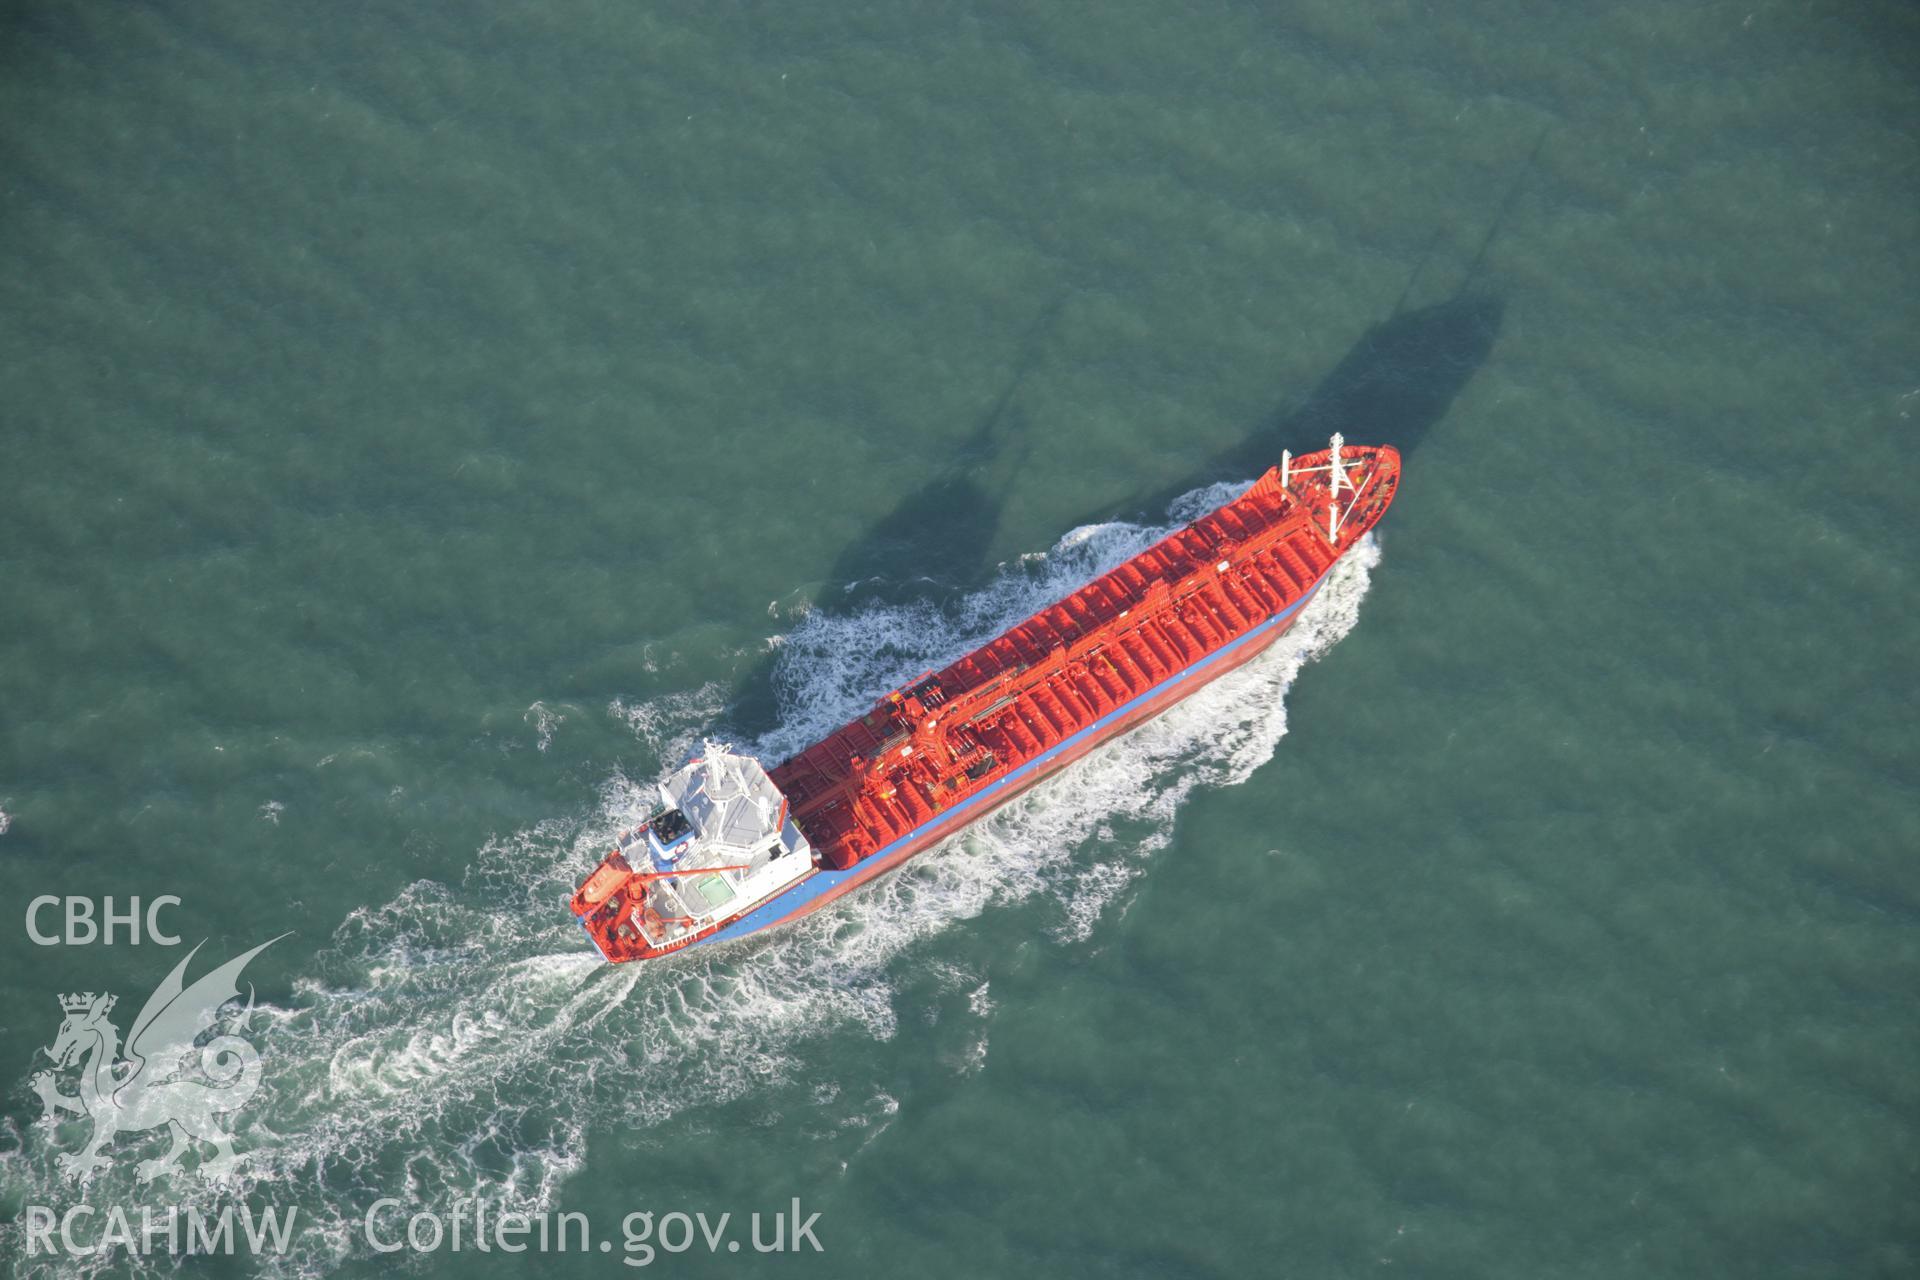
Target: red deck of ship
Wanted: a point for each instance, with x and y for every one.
(948, 735)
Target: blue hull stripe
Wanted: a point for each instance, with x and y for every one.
(779, 908)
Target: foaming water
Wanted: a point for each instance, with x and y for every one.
(452, 1042)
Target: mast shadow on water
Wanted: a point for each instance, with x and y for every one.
(940, 534)
(1393, 386)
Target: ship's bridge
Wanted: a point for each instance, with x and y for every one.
(723, 842)
(728, 800)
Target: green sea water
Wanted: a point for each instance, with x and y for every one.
(419, 425)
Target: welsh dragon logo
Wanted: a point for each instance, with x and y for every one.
(154, 1084)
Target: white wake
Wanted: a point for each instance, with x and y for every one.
(464, 1040)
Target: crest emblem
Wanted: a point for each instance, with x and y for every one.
(166, 1078)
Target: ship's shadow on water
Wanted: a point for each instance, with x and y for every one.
(1395, 385)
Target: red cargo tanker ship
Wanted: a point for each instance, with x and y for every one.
(736, 848)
